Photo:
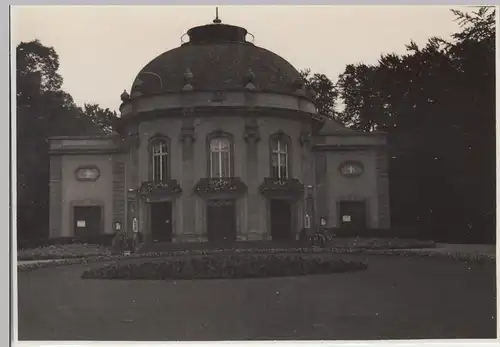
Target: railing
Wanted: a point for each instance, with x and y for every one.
(209, 185)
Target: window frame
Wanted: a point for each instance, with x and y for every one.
(280, 138)
(153, 141)
(215, 135)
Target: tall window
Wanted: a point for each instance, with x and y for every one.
(160, 160)
(279, 158)
(220, 158)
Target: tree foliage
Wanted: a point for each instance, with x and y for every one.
(437, 104)
(44, 110)
(107, 120)
(325, 92)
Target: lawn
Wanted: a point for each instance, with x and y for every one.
(396, 297)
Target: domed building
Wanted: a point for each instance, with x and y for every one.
(221, 142)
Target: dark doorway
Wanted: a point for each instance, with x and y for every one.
(161, 221)
(221, 220)
(281, 226)
(87, 221)
(353, 214)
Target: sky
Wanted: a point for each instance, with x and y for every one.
(102, 48)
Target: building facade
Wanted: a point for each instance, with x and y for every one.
(221, 141)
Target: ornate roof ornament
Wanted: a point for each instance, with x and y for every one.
(299, 86)
(217, 19)
(188, 78)
(125, 96)
(249, 79)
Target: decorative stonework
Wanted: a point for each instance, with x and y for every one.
(188, 131)
(87, 173)
(188, 78)
(251, 134)
(273, 188)
(351, 168)
(125, 96)
(151, 192)
(305, 138)
(233, 186)
(187, 135)
(299, 87)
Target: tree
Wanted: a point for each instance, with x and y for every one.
(325, 92)
(437, 104)
(106, 119)
(36, 70)
(43, 110)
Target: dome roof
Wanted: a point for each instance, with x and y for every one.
(217, 57)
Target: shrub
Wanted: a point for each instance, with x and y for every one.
(62, 252)
(400, 233)
(99, 239)
(380, 243)
(224, 266)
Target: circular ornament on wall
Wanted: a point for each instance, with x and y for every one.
(351, 168)
(87, 173)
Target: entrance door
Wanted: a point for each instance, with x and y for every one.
(281, 226)
(353, 214)
(87, 221)
(161, 221)
(221, 220)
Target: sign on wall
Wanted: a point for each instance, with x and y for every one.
(346, 218)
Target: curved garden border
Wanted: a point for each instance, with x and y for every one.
(465, 257)
(225, 266)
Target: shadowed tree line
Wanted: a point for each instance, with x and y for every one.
(44, 110)
(436, 103)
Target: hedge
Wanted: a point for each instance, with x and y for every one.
(224, 266)
(100, 239)
(464, 257)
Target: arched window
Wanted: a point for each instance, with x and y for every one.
(220, 157)
(279, 158)
(159, 160)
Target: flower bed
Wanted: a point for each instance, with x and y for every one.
(465, 257)
(224, 266)
(62, 252)
(380, 243)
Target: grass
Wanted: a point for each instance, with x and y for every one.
(396, 298)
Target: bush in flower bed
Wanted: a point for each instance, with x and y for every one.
(464, 257)
(62, 252)
(380, 243)
(224, 266)
(98, 239)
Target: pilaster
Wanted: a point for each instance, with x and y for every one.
(254, 200)
(55, 183)
(187, 229)
(384, 219)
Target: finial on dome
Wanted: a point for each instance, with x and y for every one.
(125, 96)
(217, 20)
